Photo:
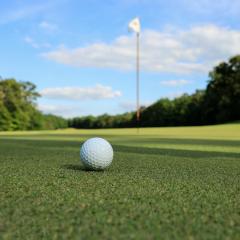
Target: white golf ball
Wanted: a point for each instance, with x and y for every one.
(96, 154)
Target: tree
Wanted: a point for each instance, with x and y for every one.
(222, 99)
(160, 113)
(18, 108)
(50, 121)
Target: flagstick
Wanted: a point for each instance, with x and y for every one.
(137, 84)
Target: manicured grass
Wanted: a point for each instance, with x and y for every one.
(165, 183)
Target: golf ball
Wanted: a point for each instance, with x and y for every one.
(96, 154)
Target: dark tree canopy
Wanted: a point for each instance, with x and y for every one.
(222, 101)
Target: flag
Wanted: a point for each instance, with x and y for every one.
(134, 25)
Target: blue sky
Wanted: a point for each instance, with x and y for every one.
(81, 55)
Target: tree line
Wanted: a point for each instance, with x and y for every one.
(18, 109)
(218, 103)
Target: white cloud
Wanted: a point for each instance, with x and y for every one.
(34, 44)
(175, 83)
(174, 50)
(49, 27)
(54, 109)
(61, 110)
(31, 42)
(79, 93)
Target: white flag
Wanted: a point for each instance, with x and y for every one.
(134, 25)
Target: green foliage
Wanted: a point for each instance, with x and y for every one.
(18, 108)
(160, 113)
(103, 121)
(175, 183)
(184, 110)
(17, 103)
(5, 117)
(54, 122)
(222, 101)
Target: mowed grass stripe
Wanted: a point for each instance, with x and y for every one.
(224, 132)
(231, 146)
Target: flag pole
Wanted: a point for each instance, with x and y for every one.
(137, 82)
(135, 26)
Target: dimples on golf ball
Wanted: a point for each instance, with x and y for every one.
(96, 154)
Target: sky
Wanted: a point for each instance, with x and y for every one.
(81, 55)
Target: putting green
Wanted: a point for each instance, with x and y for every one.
(164, 183)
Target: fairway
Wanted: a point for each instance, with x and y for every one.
(164, 183)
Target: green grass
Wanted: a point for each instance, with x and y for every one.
(165, 183)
